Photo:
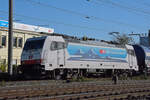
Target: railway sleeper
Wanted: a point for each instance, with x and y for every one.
(12, 95)
(123, 96)
(88, 96)
(81, 90)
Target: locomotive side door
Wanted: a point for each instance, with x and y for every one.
(60, 54)
(50, 55)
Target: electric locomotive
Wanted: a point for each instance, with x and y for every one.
(60, 57)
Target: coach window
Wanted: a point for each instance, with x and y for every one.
(19, 42)
(15, 41)
(3, 40)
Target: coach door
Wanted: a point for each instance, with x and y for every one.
(60, 54)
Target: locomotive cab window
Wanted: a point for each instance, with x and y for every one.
(53, 45)
(57, 45)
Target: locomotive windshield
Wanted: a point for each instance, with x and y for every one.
(34, 44)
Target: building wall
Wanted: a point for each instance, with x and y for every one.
(19, 38)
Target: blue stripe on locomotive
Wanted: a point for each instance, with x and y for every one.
(89, 52)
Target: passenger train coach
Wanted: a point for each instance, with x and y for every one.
(58, 57)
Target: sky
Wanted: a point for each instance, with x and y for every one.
(92, 18)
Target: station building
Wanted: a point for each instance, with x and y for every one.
(21, 32)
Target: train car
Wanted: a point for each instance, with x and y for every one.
(56, 57)
(143, 57)
(147, 57)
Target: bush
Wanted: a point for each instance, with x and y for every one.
(79, 79)
(3, 67)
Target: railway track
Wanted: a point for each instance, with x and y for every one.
(77, 91)
(60, 82)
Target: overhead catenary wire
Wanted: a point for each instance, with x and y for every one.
(133, 9)
(101, 2)
(84, 15)
(143, 3)
(56, 22)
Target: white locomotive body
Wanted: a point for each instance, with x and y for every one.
(56, 55)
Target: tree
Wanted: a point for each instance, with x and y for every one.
(121, 39)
